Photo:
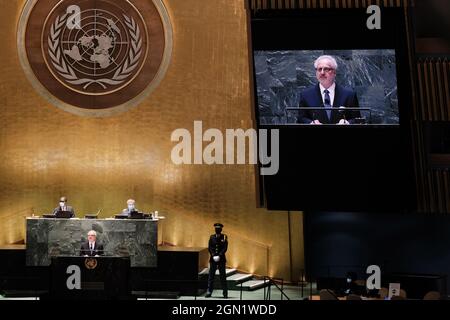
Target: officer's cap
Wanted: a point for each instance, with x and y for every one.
(218, 225)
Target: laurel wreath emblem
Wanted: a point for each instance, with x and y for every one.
(67, 72)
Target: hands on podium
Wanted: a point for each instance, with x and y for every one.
(343, 121)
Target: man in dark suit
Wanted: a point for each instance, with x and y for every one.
(217, 246)
(64, 207)
(328, 94)
(91, 248)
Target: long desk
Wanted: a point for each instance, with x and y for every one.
(50, 237)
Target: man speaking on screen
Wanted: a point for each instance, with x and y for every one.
(327, 94)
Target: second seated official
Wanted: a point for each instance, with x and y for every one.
(64, 207)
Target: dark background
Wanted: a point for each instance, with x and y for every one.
(351, 168)
(337, 242)
(431, 19)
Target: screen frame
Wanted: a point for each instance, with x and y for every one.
(269, 30)
(336, 54)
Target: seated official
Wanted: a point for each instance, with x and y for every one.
(91, 248)
(64, 207)
(328, 94)
(131, 207)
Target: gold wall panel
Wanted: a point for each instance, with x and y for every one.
(101, 162)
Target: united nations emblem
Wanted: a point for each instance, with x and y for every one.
(95, 57)
(90, 263)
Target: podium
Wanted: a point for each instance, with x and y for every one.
(82, 278)
(342, 112)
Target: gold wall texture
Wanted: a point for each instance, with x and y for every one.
(101, 162)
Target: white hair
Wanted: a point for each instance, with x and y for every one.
(334, 64)
(131, 201)
(92, 233)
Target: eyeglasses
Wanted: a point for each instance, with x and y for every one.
(324, 69)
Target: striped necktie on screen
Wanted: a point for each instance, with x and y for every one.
(327, 103)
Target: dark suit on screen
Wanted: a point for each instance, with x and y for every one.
(312, 97)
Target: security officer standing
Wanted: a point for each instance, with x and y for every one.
(218, 245)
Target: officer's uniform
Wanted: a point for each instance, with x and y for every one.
(217, 246)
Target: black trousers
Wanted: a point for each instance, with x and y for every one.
(213, 266)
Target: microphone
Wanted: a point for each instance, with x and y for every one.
(342, 112)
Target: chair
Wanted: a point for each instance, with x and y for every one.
(403, 293)
(383, 292)
(354, 297)
(432, 295)
(327, 294)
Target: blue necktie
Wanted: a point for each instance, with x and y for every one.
(327, 103)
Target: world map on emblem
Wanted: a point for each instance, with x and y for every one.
(95, 48)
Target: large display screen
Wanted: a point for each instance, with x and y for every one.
(339, 94)
(326, 87)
